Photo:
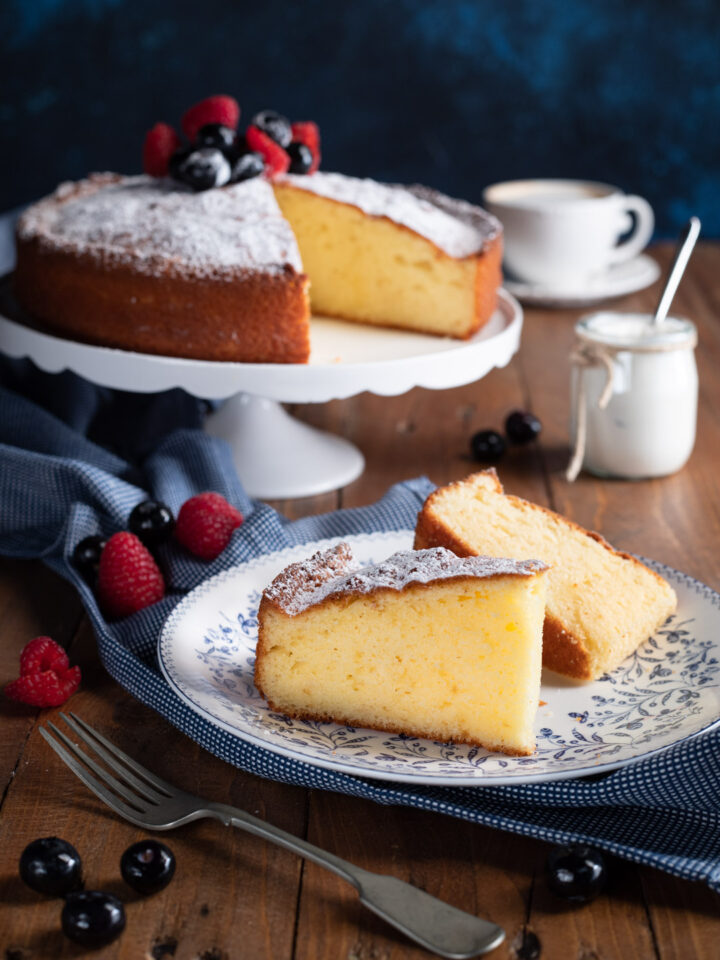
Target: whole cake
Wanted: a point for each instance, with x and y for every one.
(222, 248)
(601, 604)
(425, 644)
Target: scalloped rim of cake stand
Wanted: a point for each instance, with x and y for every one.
(392, 362)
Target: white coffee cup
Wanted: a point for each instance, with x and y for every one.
(560, 233)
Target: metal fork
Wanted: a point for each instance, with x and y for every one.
(153, 804)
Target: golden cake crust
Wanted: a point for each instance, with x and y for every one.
(563, 651)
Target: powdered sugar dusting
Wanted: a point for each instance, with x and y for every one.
(159, 226)
(334, 573)
(456, 227)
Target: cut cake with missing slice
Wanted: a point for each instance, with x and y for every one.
(425, 644)
(601, 604)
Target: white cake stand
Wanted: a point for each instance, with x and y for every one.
(276, 455)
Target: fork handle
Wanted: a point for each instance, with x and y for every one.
(433, 924)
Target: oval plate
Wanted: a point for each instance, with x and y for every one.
(668, 691)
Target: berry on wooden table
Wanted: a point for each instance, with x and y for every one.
(576, 873)
(160, 144)
(92, 918)
(51, 865)
(487, 446)
(46, 677)
(205, 524)
(148, 866)
(128, 578)
(522, 427)
(218, 109)
(43, 653)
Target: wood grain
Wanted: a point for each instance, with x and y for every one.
(236, 897)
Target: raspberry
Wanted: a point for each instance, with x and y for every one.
(276, 159)
(218, 109)
(48, 688)
(128, 577)
(307, 132)
(43, 653)
(46, 677)
(160, 144)
(205, 524)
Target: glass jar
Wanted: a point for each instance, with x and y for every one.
(634, 389)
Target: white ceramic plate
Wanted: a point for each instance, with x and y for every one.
(668, 691)
(623, 278)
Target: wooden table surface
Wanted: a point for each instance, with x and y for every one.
(235, 896)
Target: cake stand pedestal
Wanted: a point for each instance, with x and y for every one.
(278, 456)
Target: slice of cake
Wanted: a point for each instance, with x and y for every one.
(425, 644)
(395, 256)
(601, 604)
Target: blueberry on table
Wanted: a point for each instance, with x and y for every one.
(301, 157)
(92, 918)
(487, 446)
(148, 866)
(215, 135)
(86, 555)
(177, 160)
(151, 521)
(51, 865)
(522, 427)
(576, 873)
(247, 166)
(275, 125)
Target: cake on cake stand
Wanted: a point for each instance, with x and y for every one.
(277, 456)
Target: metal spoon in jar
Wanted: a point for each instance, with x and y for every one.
(686, 243)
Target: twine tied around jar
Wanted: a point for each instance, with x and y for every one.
(587, 355)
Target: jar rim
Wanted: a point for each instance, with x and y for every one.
(635, 331)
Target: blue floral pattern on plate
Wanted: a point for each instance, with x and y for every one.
(667, 691)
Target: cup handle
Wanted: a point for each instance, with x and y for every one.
(639, 238)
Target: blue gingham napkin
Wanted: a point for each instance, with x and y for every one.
(75, 459)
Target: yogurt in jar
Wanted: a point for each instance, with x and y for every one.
(634, 391)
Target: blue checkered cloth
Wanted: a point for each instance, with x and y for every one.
(75, 459)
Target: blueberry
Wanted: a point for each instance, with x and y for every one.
(204, 168)
(93, 918)
(488, 446)
(576, 873)
(215, 135)
(147, 866)
(301, 157)
(247, 166)
(51, 865)
(522, 427)
(176, 160)
(151, 521)
(86, 555)
(275, 125)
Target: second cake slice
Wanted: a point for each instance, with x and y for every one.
(425, 644)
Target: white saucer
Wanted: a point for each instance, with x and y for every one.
(628, 277)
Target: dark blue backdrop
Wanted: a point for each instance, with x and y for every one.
(452, 93)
